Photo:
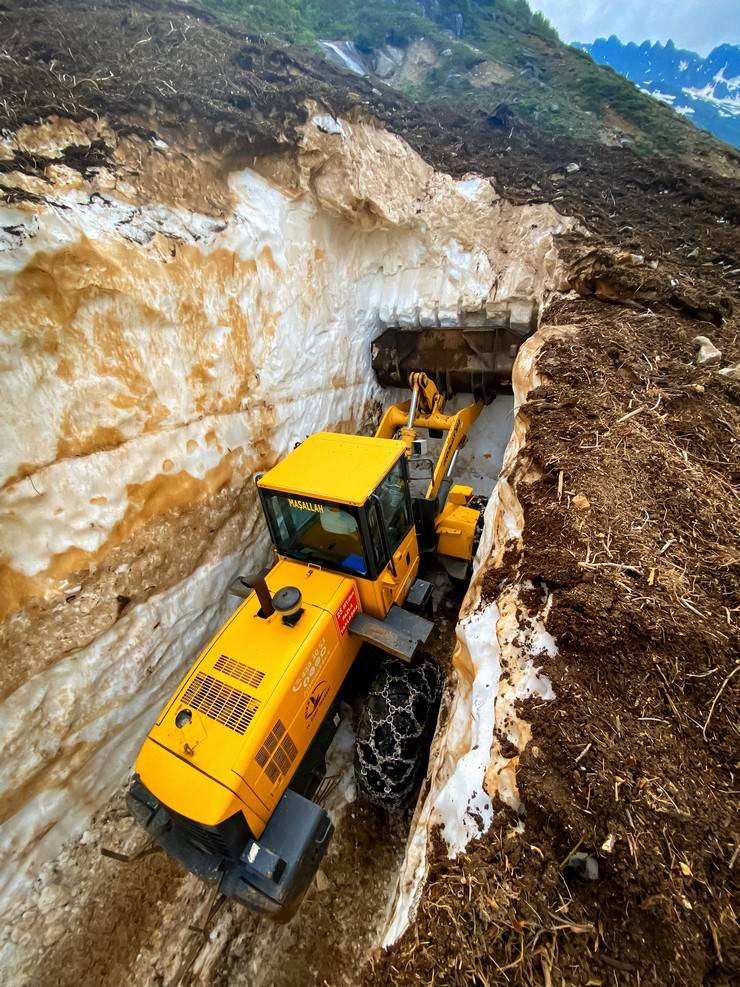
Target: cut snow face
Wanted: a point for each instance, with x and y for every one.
(189, 339)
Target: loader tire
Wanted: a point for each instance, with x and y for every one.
(395, 729)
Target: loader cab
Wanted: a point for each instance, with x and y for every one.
(342, 502)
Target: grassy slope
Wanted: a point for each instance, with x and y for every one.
(560, 88)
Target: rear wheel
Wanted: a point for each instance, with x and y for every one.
(395, 730)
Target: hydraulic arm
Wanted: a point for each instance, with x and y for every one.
(425, 410)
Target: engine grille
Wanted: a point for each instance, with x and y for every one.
(238, 670)
(204, 839)
(221, 702)
(285, 754)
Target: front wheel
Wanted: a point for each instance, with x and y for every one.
(395, 730)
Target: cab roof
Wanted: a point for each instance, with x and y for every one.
(344, 469)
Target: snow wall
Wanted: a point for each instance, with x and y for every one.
(169, 326)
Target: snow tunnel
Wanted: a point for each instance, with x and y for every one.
(165, 339)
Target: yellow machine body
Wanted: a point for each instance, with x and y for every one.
(260, 689)
(213, 777)
(456, 524)
(257, 694)
(347, 469)
(425, 410)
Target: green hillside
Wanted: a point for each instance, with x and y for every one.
(506, 54)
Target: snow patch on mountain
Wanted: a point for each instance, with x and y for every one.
(707, 90)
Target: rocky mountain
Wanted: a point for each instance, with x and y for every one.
(478, 56)
(706, 90)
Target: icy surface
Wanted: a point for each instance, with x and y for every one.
(340, 773)
(99, 704)
(462, 806)
(482, 456)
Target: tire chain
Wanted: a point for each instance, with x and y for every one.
(395, 727)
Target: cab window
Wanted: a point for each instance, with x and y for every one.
(393, 498)
(316, 531)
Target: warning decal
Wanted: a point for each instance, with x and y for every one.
(347, 609)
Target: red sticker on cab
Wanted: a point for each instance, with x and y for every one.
(347, 609)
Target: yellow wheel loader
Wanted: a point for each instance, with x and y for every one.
(224, 780)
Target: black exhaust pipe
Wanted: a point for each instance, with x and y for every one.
(242, 586)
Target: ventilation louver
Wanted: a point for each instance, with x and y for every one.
(238, 670)
(271, 742)
(207, 840)
(221, 702)
(283, 754)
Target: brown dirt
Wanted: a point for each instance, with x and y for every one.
(640, 743)
(330, 936)
(103, 913)
(139, 922)
(47, 629)
(158, 66)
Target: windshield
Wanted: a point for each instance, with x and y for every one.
(316, 531)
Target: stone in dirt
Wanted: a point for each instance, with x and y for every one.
(707, 354)
(53, 896)
(584, 865)
(384, 67)
(322, 881)
(733, 372)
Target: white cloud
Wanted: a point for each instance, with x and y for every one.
(693, 24)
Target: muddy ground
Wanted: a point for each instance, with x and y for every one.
(631, 519)
(98, 921)
(632, 522)
(147, 922)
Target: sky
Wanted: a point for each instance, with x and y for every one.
(698, 25)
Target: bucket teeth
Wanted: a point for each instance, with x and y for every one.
(470, 360)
